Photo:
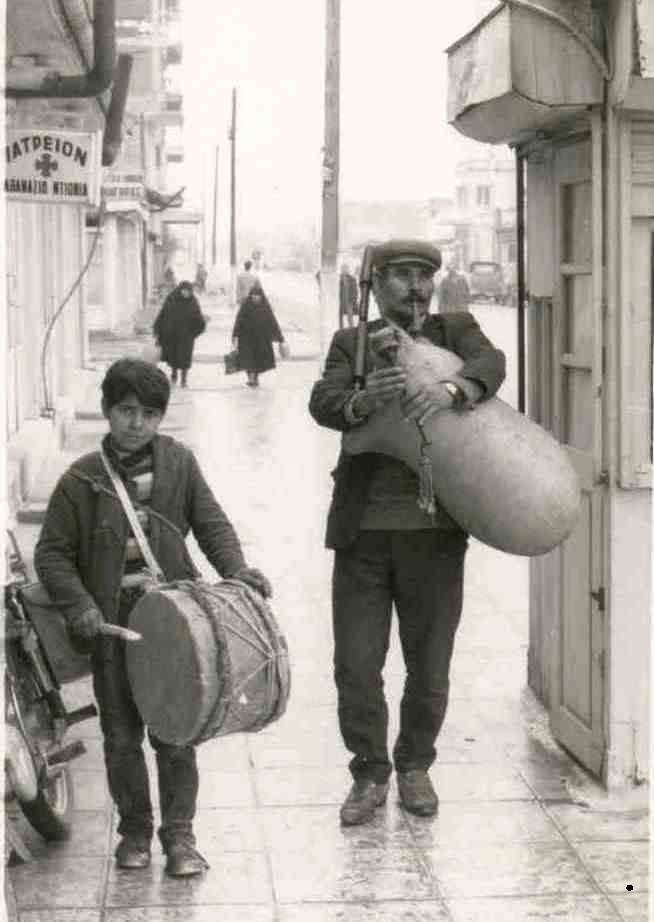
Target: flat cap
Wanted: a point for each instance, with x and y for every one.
(396, 252)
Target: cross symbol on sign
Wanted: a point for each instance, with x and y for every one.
(46, 165)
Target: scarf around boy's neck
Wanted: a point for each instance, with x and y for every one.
(125, 462)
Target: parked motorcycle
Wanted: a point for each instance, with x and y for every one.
(38, 660)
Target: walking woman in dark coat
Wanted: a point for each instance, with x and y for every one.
(178, 323)
(255, 330)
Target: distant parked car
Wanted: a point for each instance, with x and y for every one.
(487, 281)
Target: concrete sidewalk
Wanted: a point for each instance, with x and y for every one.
(522, 834)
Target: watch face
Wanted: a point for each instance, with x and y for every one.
(454, 391)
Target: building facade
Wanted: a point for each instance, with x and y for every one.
(571, 89)
(85, 188)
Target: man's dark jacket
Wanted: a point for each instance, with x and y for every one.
(80, 554)
(458, 332)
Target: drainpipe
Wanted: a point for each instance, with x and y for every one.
(44, 83)
(113, 134)
(520, 257)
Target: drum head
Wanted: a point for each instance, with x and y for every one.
(172, 671)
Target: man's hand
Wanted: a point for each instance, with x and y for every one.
(86, 626)
(382, 386)
(422, 404)
(255, 580)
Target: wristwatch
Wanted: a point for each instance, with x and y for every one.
(455, 392)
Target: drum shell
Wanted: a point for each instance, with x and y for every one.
(212, 661)
(501, 476)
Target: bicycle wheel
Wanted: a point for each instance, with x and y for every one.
(50, 813)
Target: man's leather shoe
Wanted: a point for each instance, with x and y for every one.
(360, 804)
(132, 854)
(417, 794)
(184, 861)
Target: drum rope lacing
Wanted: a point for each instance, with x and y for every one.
(224, 702)
(274, 654)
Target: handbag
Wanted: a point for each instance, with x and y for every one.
(232, 363)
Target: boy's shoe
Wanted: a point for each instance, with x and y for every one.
(362, 801)
(417, 794)
(132, 854)
(184, 861)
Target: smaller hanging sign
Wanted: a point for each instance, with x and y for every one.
(123, 191)
(53, 166)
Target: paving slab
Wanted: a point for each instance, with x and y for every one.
(560, 908)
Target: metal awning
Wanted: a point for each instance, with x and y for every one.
(520, 70)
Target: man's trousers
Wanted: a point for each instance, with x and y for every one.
(421, 573)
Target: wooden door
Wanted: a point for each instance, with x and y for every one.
(578, 677)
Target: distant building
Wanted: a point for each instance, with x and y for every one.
(481, 220)
(362, 222)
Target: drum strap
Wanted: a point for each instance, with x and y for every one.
(133, 520)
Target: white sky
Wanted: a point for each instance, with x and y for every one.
(395, 142)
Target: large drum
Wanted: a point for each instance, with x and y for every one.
(501, 476)
(212, 661)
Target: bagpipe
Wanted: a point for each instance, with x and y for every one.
(502, 477)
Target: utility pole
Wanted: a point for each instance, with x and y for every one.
(232, 227)
(330, 174)
(214, 256)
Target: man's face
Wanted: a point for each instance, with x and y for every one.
(132, 425)
(398, 288)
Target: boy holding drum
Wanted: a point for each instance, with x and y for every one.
(92, 566)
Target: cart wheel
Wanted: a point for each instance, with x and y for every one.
(50, 813)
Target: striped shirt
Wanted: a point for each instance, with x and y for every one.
(137, 473)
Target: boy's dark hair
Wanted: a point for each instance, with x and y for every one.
(248, 264)
(134, 376)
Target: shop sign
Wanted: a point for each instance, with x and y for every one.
(123, 191)
(52, 166)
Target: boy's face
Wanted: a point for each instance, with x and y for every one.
(132, 425)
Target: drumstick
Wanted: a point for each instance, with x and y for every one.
(115, 630)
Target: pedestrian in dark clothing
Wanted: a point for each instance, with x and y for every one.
(454, 292)
(93, 569)
(201, 276)
(348, 297)
(255, 330)
(178, 323)
(388, 551)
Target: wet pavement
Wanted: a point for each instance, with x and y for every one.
(522, 834)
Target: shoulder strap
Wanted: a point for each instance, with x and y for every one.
(132, 518)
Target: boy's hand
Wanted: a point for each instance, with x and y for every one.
(87, 625)
(255, 579)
